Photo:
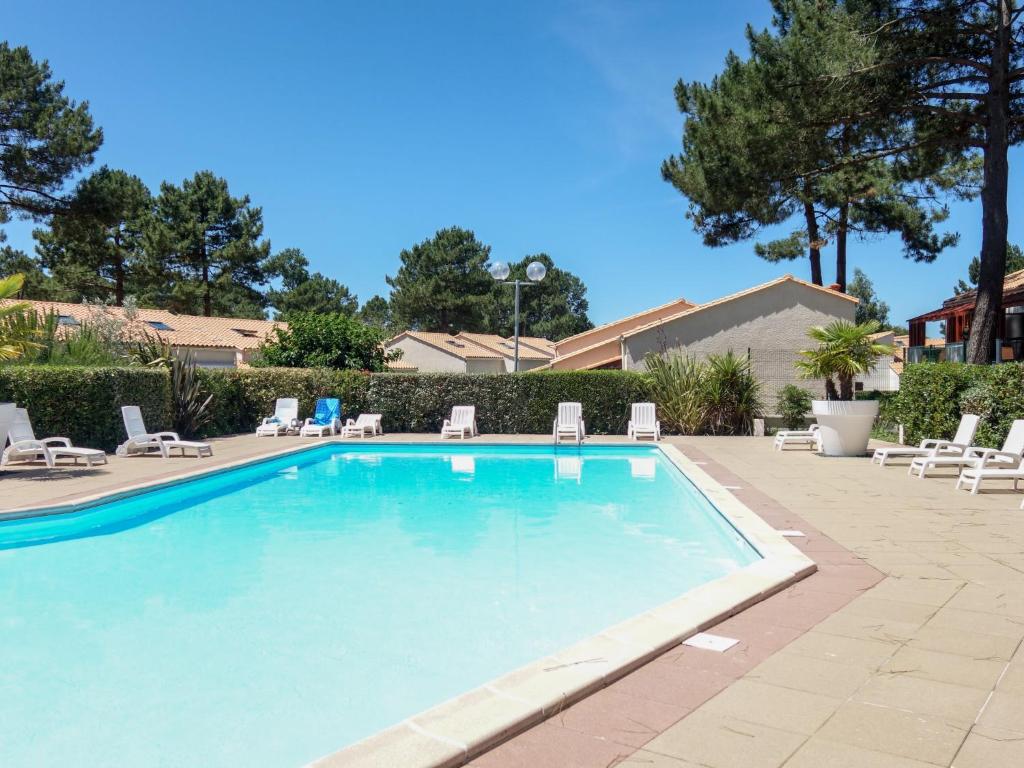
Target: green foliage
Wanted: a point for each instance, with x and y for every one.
(325, 341)
(212, 250)
(84, 404)
(305, 292)
(443, 285)
(554, 308)
(95, 247)
(719, 396)
(18, 334)
(45, 137)
(794, 403)
(933, 396)
(1014, 263)
(871, 307)
(377, 312)
(190, 406)
(844, 350)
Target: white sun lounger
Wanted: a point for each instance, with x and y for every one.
(462, 424)
(25, 447)
(961, 442)
(644, 422)
(810, 437)
(285, 420)
(365, 424)
(996, 465)
(141, 442)
(569, 422)
(976, 457)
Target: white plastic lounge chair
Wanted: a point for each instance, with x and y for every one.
(569, 422)
(285, 420)
(961, 442)
(810, 437)
(365, 424)
(462, 424)
(976, 457)
(326, 419)
(141, 442)
(644, 422)
(25, 447)
(996, 465)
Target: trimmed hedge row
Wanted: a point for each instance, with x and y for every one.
(84, 404)
(419, 402)
(933, 396)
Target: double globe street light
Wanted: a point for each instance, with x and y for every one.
(534, 272)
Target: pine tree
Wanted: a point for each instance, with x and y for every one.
(554, 308)
(305, 292)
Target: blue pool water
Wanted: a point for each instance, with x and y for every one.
(269, 615)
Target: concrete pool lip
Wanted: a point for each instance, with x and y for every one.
(455, 731)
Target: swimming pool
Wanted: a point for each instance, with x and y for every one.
(273, 613)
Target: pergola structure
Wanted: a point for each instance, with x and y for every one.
(957, 311)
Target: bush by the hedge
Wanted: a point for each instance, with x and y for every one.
(83, 403)
(933, 396)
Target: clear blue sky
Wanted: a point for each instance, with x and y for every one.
(362, 128)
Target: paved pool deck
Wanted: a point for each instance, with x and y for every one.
(903, 651)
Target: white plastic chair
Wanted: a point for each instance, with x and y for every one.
(961, 442)
(977, 458)
(644, 422)
(25, 447)
(141, 442)
(284, 421)
(810, 437)
(366, 423)
(462, 424)
(569, 422)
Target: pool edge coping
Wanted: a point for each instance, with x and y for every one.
(462, 728)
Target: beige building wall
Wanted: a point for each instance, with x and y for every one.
(426, 357)
(588, 358)
(485, 365)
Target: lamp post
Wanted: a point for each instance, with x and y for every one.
(534, 272)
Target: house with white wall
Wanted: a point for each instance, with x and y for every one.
(466, 352)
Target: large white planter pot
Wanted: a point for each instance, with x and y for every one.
(845, 425)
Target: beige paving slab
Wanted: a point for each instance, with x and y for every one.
(1004, 711)
(844, 650)
(954, 703)
(821, 753)
(783, 708)
(964, 642)
(945, 667)
(802, 673)
(718, 741)
(991, 748)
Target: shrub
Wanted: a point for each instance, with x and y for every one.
(84, 404)
(928, 401)
(676, 388)
(794, 403)
(326, 340)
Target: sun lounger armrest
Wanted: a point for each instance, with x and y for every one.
(62, 441)
(27, 445)
(950, 447)
(447, 423)
(930, 443)
(165, 436)
(269, 420)
(350, 422)
(998, 457)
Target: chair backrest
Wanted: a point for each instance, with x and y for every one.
(1014, 442)
(965, 432)
(463, 415)
(570, 413)
(367, 419)
(327, 410)
(133, 423)
(21, 427)
(644, 414)
(286, 409)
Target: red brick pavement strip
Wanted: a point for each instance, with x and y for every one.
(608, 726)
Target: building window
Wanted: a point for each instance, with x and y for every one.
(66, 320)
(158, 325)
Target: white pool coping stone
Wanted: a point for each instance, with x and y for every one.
(462, 728)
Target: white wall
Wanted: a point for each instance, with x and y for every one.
(426, 358)
(214, 357)
(485, 365)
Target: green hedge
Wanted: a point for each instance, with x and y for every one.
(933, 396)
(419, 402)
(84, 404)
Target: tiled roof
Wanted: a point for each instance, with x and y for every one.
(544, 345)
(506, 347)
(177, 330)
(473, 346)
(739, 295)
(682, 304)
(399, 365)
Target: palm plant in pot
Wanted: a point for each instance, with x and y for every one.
(844, 351)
